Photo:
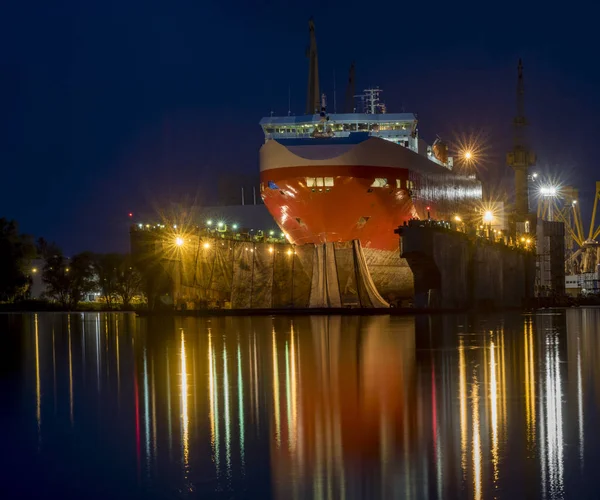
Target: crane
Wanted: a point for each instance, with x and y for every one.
(582, 251)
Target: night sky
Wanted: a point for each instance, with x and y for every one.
(113, 107)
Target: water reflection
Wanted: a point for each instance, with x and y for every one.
(316, 407)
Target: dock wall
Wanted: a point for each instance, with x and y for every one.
(228, 273)
(454, 271)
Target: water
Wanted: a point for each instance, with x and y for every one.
(113, 406)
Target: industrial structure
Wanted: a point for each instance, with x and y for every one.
(338, 186)
(520, 159)
(581, 248)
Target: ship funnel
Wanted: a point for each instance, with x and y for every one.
(313, 103)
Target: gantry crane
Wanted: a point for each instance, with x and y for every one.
(582, 252)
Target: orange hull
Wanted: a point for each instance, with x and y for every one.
(349, 209)
(357, 187)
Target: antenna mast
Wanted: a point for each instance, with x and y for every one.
(349, 104)
(312, 96)
(334, 94)
(289, 100)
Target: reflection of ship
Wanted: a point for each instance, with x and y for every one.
(355, 175)
(348, 409)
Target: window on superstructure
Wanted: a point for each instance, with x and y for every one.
(269, 130)
(320, 182)
(310, 182)
(328, 181)
(410, 184)
(379, 182)
(363, 127)
(398, 183)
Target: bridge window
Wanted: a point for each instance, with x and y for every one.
(379, 182)
(319, 181)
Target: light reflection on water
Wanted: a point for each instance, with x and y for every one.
(306, 407)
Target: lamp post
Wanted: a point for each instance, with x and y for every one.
(488, 218)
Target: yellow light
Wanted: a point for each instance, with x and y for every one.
(270, 249)
(523, 239)
(528, 241)
(289, 252)
(457, 218)
(468, 155)
(179, 241)
(206, 245)
(271, 233)
(34, 270)
(219, 224)
(488, 216)
(67, 269)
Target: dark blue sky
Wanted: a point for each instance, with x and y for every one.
(109, 107)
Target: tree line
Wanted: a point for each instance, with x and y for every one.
(67, 280)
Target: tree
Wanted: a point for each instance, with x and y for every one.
(128, 282)
(55, 275)
(81, 273)
(46, 249)
(16, 252)
(69, 280)
(107, 268)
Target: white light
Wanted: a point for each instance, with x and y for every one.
(235, 226)
(174, 226)
(271, 233)
(488, 216)
(206, 245)
(179, 241)
(548, 190)
(535, 175)
(220, 224)
(209, 222)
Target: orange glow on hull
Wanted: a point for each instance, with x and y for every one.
(350, 209)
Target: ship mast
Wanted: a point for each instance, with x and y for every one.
(312, 95)
(520, 158)
(349, 104)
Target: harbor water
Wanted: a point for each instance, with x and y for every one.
(453, 406)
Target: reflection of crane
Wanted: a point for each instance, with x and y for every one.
(582, 252)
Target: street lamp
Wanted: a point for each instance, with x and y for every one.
(488, 216)
(179, 241)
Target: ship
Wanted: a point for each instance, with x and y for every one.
(357, 175)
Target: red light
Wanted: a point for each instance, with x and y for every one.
(130, 214)
(428, 208)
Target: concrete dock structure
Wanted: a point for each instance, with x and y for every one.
(455, 271)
